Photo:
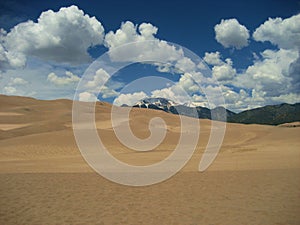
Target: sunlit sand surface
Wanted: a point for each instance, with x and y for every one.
(6, 127)
(45, 180)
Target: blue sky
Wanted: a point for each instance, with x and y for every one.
(253, 53)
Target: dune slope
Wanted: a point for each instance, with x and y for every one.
(45, 180)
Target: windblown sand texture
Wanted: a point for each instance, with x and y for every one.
(255, 179)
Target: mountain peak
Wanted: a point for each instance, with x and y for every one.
(272, 114)
(156, 101)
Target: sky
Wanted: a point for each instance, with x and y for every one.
(249, 49)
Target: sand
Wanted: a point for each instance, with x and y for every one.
(10, 126)
(45, 180)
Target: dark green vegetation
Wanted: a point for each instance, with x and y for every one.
(271, 114)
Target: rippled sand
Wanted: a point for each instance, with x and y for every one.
(44, 179)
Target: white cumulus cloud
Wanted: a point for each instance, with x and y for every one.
(270, 75)
(99, 79)
(230, 33)
(100, 84)
(87, 97)
(285, 33)
(62, 37)
(137, 49)
(225, 71)
(69, 78)
(130, 98)
(18, 81)
(9, 90)
(213, 58)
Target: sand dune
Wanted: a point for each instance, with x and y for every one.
(11, 126)
(294, 124)
(45, 180)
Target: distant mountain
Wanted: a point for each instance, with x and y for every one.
(221, 114)
(183, 109)
(272, 115)
(155, 103)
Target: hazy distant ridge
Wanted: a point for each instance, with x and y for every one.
(271, 114)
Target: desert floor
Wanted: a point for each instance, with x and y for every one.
(255, 179)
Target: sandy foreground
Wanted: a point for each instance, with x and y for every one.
(255, 179)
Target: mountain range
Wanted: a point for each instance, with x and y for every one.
(271, 114)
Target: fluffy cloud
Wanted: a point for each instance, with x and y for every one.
(108, 92)
(32, 81)
(188, 84)
(230, 33)
(274, 75)
(288, 98)
(285, 33)
(269, 75)
(62, 37)
(267, 81)
(10, 59)
(213, 58)
(63, 80)
(136, 48)
(185, 65)
(294, 73)
(101, 84)
(128, 33)
(87, 97)
(130, 98)
(172, 93)
(18, 81)
(180, 92)
(99, 79)
(9, 90)
(224, 72)
(14, 86)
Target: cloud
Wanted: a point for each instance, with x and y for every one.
(14, 86)
(230, 33)
(9, 59)
(101, 84)
(9, 90)
(213, 58)
(32, 80)
(269, 75)
(294, 73)
(169, 93)
(148, 30)
(108, 92)
(176, 93)
(185, 64)
(224, 72)
(70, 78)
(99, 79)
(87, 97)
(18, 81)
(130, 98)
(134, 51)
(187, 82)
(284, 33)
(288, 98)
(128, 33)
(62, 37)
